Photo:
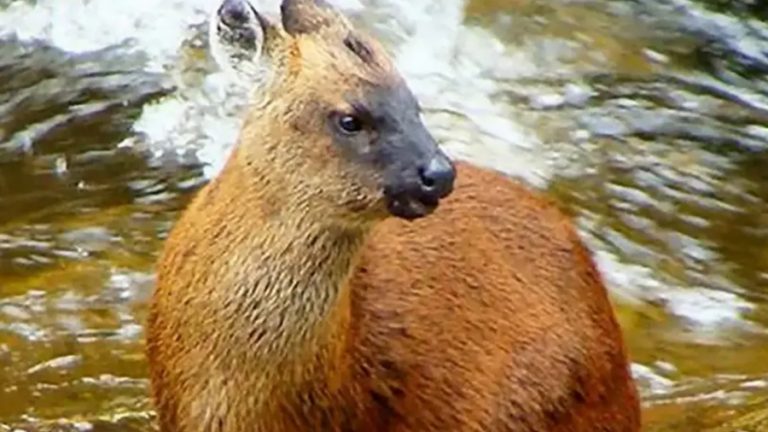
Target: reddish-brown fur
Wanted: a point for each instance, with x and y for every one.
(275, 310)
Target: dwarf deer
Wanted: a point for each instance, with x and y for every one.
(341, 273)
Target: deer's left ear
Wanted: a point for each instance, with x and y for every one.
(310, 16)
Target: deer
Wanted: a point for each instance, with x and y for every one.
(342, 273)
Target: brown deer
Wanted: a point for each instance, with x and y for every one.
(342, 274)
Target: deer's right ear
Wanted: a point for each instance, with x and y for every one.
(243, 41)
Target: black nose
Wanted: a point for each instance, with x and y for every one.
(437, 177)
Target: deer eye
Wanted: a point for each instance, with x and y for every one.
(349, 124)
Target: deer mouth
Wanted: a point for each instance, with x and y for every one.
(409, 207)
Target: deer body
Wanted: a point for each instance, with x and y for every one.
(289, 299)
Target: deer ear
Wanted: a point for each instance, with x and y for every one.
(309, 16)
(243, 41)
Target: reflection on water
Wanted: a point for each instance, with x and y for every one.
(645, 118)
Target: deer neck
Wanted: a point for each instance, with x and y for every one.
(285, 288)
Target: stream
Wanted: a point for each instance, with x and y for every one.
(646, 119)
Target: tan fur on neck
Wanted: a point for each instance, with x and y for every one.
(280, 303)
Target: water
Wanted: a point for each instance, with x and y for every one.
(646, 119)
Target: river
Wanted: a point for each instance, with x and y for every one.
(646, 119)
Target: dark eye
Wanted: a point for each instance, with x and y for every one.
(350, 124)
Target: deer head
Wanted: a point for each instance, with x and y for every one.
(332, 124)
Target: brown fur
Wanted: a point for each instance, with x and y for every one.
(287, 301)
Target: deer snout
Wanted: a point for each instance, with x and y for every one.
(418, 188)
(436, 177)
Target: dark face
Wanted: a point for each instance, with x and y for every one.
(383, 130)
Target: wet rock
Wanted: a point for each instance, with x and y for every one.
(90, 239)
(66, 362)
(14, 312)
(651, 380)
(604, 126)
(711, 309)
(656, 56)
(755, 384)
(740, 42)
(129, 286)
(83, 426)
(546, 101)
(580, 135)
(46, 94)
(576, 95)
(65, 113)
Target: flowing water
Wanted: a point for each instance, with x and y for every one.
(646, 119)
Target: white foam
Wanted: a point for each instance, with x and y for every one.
(709, 315)
(156, 27)
(448, 73)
